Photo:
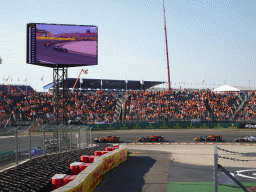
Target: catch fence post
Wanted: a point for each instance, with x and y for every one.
(79, 135)
(59, 129)
(86, 137)
(71, 137)
(44, 139)
(215, 168)
(29, 135)
(91, 137)
(17, 147)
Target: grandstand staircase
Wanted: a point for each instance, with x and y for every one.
(241, 106)
(206, 103)
(118, 111)
(21, 91)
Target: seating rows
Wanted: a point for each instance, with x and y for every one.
(139, 105)
(95, 107)
(180, 105)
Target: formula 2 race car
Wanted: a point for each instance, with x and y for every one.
(59, 48)
(209, 138)
(151, 138)
(246, 139)
(106, 139)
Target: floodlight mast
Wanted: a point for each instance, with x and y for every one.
(85, 72)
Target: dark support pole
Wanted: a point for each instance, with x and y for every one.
(231, 177)
(44, 139)
(71, 137)
(215, 168)
(30, 142)
(0, 120)
(60, 91)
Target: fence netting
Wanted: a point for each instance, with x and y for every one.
(19, 144)
(237, 166)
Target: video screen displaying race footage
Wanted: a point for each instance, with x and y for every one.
(62, 45)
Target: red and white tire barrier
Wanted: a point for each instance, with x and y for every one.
(86, 175)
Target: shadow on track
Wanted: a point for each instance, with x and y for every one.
(128, 176)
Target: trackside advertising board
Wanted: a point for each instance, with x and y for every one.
(95, 177)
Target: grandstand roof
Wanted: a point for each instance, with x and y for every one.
(108, 84)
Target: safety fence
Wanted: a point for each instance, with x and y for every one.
(23, 143)
(234, 166)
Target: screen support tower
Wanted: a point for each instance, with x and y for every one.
(60, 93)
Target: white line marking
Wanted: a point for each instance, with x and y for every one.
(241, 175)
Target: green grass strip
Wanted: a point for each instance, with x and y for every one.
(203, 187)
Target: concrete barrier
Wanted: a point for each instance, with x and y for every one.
(91, 177)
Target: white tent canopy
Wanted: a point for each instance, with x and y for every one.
(226, 88)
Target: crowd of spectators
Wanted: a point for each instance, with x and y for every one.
(152, 105)
(38, 107)
(221, 104)
(97, 106)
(139, 105)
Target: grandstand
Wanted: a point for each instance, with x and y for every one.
(21, 105)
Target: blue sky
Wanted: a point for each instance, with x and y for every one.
(211, 39)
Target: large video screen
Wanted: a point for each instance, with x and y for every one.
(60, 45)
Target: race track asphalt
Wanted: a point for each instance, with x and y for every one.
(154, 171)
(53, 56)
(7, 143)
(147, 171)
